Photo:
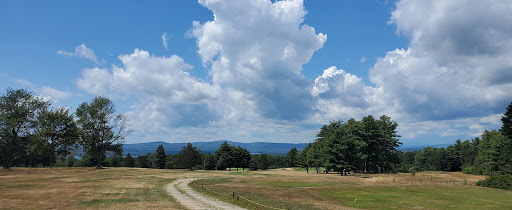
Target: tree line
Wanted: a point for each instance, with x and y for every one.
(33, 133)
(490, 154)
(369, 145)
(226, 157)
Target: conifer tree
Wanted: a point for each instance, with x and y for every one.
(161, 158)
(221, 164)
(209, 163)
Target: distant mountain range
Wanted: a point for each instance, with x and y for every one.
(206, 147)
(254, 147)
(420, 147)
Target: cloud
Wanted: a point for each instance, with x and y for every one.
(54, 95)
(80, 51)
(164, 41)
(162, 85)
(46, 93)
(25, 83)
(258, 48)
(453, 79)
(457, 63)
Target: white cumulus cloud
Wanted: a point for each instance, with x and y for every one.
(258, 47)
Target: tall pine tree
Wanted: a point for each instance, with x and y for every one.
(505, 158)
(161, 158)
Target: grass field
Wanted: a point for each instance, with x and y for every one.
(133, 188)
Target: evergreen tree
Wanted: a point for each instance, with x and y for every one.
(221, 164)
(226, 153)
(486, 161)
(253, 164)
(291, 157)
(263, 162)
(303, 160)
(189, 156)
(142, 161)
(243, 157)
(209, 163)
(505, 158)
(129, 161)
(161, 158)
(506, 128)
(371, 135)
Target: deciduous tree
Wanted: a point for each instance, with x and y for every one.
(19, 110)
(56, 133)
(100, 130)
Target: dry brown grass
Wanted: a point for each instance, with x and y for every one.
(136, 188)
(71, 188)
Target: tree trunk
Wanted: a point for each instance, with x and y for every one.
(98, 161)
(307, 169)
(8, 162)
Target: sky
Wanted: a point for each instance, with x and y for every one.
(272, 71)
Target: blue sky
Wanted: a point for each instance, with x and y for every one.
(267, 71)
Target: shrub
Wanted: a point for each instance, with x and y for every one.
(499, 181)
(469, 170)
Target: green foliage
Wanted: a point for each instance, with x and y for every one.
(263, 162)
(366, 145)
(469, 170)
(100, 130)
(253, 165)
(19, 110)
(291, 157)
(142, 161)
(241, 157)
(209, 162)
(161, 158)
(302, 160)
(506, 128)
(486, 161)
(221, 164)
(56, 133)
(225, 152)
(129, 161)
(189, 156)
(499, 181)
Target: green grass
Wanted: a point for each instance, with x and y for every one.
(310, 169)
(438, 197)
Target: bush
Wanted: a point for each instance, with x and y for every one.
(499, 181)
(469, 170)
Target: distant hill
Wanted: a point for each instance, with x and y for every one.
(420, 147)
(174, 148)
(254, 147)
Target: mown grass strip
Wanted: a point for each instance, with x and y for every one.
(247, 200)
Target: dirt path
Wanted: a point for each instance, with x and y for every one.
(180, 190)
